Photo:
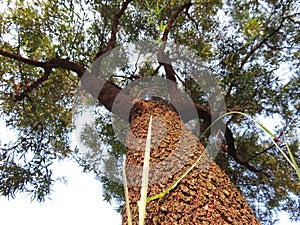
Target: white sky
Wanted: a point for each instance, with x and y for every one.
(78, 202)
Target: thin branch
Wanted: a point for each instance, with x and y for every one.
(156, 71)
(113, 35)
(34, 85)
(173, 18)
(259, 153)
(193, 20)
(258, 45)
(254, 49)
(117, 17)
(228, 92)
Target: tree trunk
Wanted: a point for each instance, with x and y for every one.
(204, 196)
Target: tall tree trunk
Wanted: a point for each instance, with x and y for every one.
(204, 196)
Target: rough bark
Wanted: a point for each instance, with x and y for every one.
(204, 196)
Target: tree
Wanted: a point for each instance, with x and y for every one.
(251, 47)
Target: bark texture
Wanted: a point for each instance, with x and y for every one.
(204, 196)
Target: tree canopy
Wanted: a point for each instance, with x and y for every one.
(251, 47)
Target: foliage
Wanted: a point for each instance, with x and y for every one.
(252, 47)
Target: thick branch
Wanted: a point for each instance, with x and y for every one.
(175, 96)
(67, 65)
(106, 95)
(53, 63)
(21, 59)
(232, 151)
(47, 66)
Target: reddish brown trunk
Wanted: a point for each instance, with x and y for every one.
(204, 196)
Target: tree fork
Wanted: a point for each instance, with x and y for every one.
(110, 91)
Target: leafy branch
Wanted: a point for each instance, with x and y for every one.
(272, 136)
